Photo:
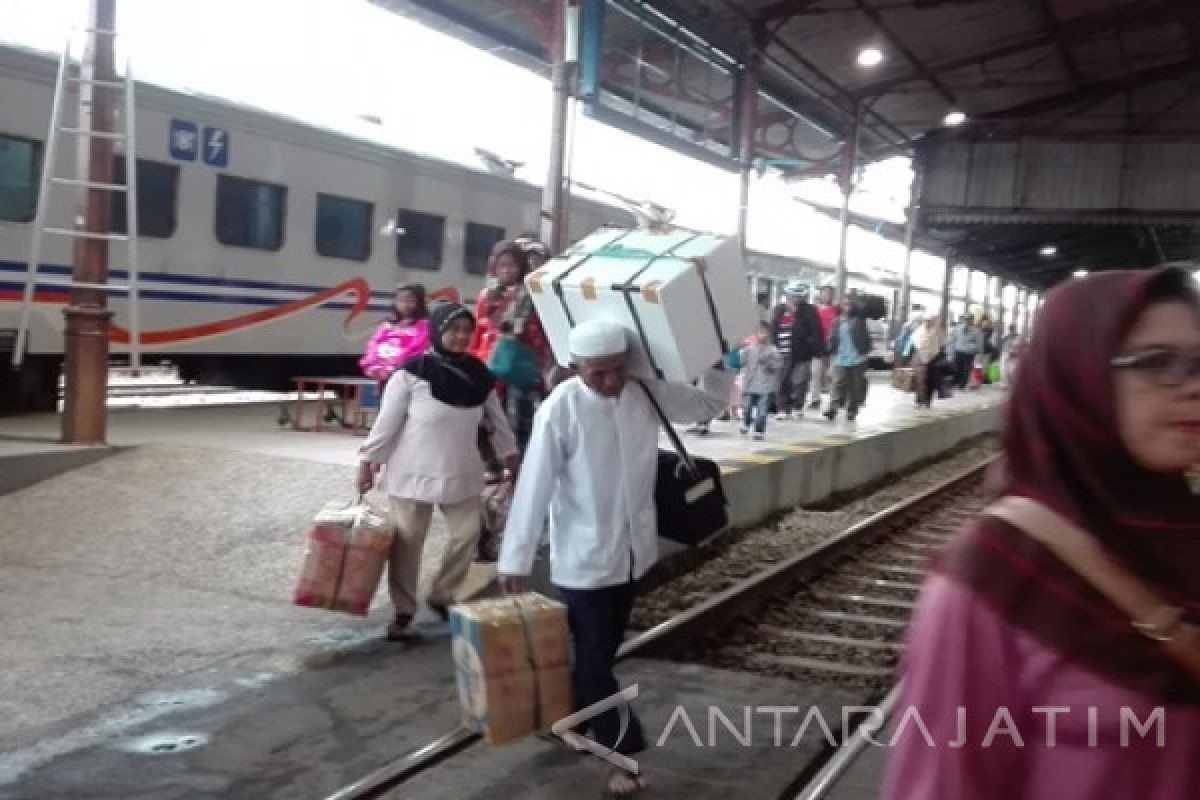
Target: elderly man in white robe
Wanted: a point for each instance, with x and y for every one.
(590, 468)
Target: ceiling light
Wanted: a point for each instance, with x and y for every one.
(870, 57)
(954, 119)
(1049, 250)
(1081, 273)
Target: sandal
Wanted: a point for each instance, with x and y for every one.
(400, 630)
(630, 785)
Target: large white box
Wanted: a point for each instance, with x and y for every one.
(681, 295)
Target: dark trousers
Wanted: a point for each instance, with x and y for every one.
(963, 364)
(793, 385)
(928, 378)
(849, 389)
(519, 407)
(597, 618)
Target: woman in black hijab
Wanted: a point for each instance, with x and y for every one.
(426, 433)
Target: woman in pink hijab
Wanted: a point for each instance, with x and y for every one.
(1023, 681)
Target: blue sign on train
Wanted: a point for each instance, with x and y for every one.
(216, 147)
(185, 140)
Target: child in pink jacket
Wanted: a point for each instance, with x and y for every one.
(401, 338)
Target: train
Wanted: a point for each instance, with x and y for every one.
(268, 246)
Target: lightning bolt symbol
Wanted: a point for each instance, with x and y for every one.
(216, 144)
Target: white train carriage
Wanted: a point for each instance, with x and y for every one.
(260, 245)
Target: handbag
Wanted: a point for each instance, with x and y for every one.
(515, 364)
(1148, 614)
(689, 500)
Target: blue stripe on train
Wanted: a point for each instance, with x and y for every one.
(190, 280)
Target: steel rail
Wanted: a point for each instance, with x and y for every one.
(714, 613)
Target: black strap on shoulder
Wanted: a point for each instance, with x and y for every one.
(641, 331)
(672, 434)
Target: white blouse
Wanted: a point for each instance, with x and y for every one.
(431, 449)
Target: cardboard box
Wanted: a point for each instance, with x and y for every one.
(347, 550)
(681, 295)
(512, 665)
(904, 379)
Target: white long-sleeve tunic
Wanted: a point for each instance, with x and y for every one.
(431, 449)
(590, 467)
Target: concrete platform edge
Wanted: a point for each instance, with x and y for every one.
(20, 470)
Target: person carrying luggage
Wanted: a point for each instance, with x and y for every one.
(426, 437)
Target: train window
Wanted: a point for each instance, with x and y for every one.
(419, 239)
(19, 160)
(250, 213)
(477, 247)
(343, 227)
(158, 194)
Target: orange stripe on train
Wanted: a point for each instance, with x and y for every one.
(356, 286)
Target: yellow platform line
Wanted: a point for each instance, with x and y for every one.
(758, 458)
(799, 449)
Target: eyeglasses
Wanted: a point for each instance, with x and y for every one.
(1168, 369)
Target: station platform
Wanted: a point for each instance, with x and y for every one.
(148, 594)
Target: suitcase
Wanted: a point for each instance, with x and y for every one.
(343, 563)
(681, 295)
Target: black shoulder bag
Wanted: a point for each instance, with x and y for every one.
(688, 495)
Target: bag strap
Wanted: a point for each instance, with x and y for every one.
(676, 442)
(1149, 615)
(701, 268)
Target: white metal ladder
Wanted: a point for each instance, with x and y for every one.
(49, 180)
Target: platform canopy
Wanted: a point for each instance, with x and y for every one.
(1078, 120)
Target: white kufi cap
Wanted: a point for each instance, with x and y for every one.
(597, 338)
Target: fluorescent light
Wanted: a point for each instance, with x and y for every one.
(954, 119)
(870, 57)
(1081, 273)
(1049, 250)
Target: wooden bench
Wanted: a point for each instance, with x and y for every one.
(359, 399)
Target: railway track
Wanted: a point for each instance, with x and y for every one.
(834, 613)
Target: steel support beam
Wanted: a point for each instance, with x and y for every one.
(928, 75)
(1095, 92)
(947, 279)
(747, 122)
(1059, 41)
(1148, 13)
(554, 195)
(910, 230)
(849, 164)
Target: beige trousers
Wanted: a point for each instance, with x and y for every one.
(412, 519)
